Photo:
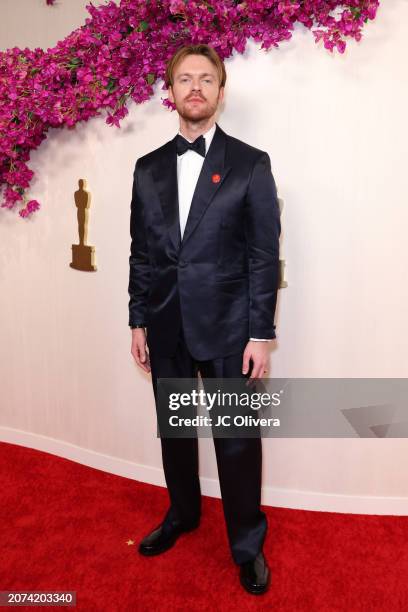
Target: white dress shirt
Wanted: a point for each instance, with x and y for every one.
(189, 166)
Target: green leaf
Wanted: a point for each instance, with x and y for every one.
(142, 27)
(150, 78)
(111, 86)
(74, 62)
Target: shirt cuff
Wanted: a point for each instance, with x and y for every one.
(261, 339)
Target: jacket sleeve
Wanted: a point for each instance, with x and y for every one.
(139, 265)
(262, 227)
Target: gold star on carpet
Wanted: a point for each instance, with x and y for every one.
(130, 542)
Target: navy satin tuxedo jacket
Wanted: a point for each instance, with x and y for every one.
(220, 281)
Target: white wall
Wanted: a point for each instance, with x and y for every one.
(336, 131)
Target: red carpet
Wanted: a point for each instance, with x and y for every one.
(65, 526)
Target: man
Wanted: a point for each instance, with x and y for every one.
(204, 268)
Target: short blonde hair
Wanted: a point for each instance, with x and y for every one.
(201, 49)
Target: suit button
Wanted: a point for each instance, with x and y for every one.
(183, 263)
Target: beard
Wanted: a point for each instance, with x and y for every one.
(196, 112)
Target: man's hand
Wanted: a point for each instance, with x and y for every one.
(138, 350)
(259, 353)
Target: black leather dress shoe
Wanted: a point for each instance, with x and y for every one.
(162, 538)
(255, 575)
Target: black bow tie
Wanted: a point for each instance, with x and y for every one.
(183, 145)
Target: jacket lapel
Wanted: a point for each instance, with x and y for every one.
(165, 180)
(212, 176)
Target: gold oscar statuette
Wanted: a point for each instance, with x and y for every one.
(83, 255)
(282, 282)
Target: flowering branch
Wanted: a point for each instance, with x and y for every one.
(122, 50)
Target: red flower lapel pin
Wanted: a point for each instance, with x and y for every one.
(215, 178)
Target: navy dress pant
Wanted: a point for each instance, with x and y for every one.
(239, 461)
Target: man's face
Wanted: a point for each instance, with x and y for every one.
(196, 92)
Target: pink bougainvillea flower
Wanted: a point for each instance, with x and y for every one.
(121, 51)
(30, 207)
